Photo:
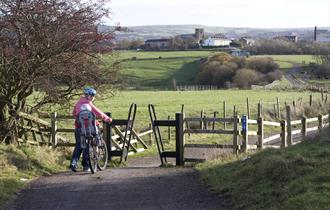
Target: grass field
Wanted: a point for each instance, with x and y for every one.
(288, 61)
(147, 71)
(296, 177)
(167, 103)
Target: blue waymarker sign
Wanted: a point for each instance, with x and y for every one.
(244, 122)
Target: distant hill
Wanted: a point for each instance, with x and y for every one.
(163, 31)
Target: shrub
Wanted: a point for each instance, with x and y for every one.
(244, 78)
(274, 75)
(221, 68)
(263, 65)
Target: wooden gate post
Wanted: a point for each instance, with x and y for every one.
(329, 117)
(303, 126)
(260, 127)
(107, 135)
(278, 107)
(260, 132)
(289, 127)
(54, 129)
(245, 131)
(283, 133)
(224, 115)
(235, 135)
(248, 108)
(320, 119)
(179, 139)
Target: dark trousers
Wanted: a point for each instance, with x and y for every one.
(78, 150)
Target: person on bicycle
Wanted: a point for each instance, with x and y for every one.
(84, 103)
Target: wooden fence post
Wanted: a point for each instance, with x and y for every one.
(283, 133)
(107, 135)
(322, 95)
(179, 139)
(169, 129)
(320, 120)
(235, 136)
(329, 117)
(303, 126)
(245, 130)
(260, 132)
(248, 108)
(278, 107)
(224, 115)
(289, 127)
(326, 98)
(54, 129)
(259, 109)
(275, 112)
(214, 116)
(202, 121)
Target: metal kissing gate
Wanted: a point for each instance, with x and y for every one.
(178, 124)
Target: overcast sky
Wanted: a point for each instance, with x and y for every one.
(231, 13)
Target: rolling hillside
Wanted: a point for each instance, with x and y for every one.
(146, 70)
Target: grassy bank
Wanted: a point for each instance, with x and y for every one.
(19, 165)
(297, 177)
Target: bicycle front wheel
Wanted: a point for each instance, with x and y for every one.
(92, 155)
(102, 156)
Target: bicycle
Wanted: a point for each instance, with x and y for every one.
(97, 153)
(92, 141)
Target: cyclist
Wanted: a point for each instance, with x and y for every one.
(84, 103)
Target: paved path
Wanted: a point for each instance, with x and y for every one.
(290, 76)
(141, 185)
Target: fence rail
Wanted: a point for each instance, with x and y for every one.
(49, 132)
(284, 137)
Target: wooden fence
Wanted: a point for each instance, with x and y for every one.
(288, 129)
(47, 131)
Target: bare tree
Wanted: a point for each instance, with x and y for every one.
(52, 46)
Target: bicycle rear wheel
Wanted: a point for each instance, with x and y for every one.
(92, 156)
(102, 156)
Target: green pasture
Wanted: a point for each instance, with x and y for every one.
(288, 61)
(163, 54)
(167, 103)
(158, 69)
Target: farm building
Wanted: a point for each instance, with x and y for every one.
(216, 42)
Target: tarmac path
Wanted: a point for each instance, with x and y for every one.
(141, 185)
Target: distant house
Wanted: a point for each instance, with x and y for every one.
(246, 41)
(321, 35)
(158, 43)
(290, 38)
(216, 41)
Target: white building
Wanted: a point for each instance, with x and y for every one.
(216, 42)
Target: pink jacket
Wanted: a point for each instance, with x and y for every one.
(98, 113)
